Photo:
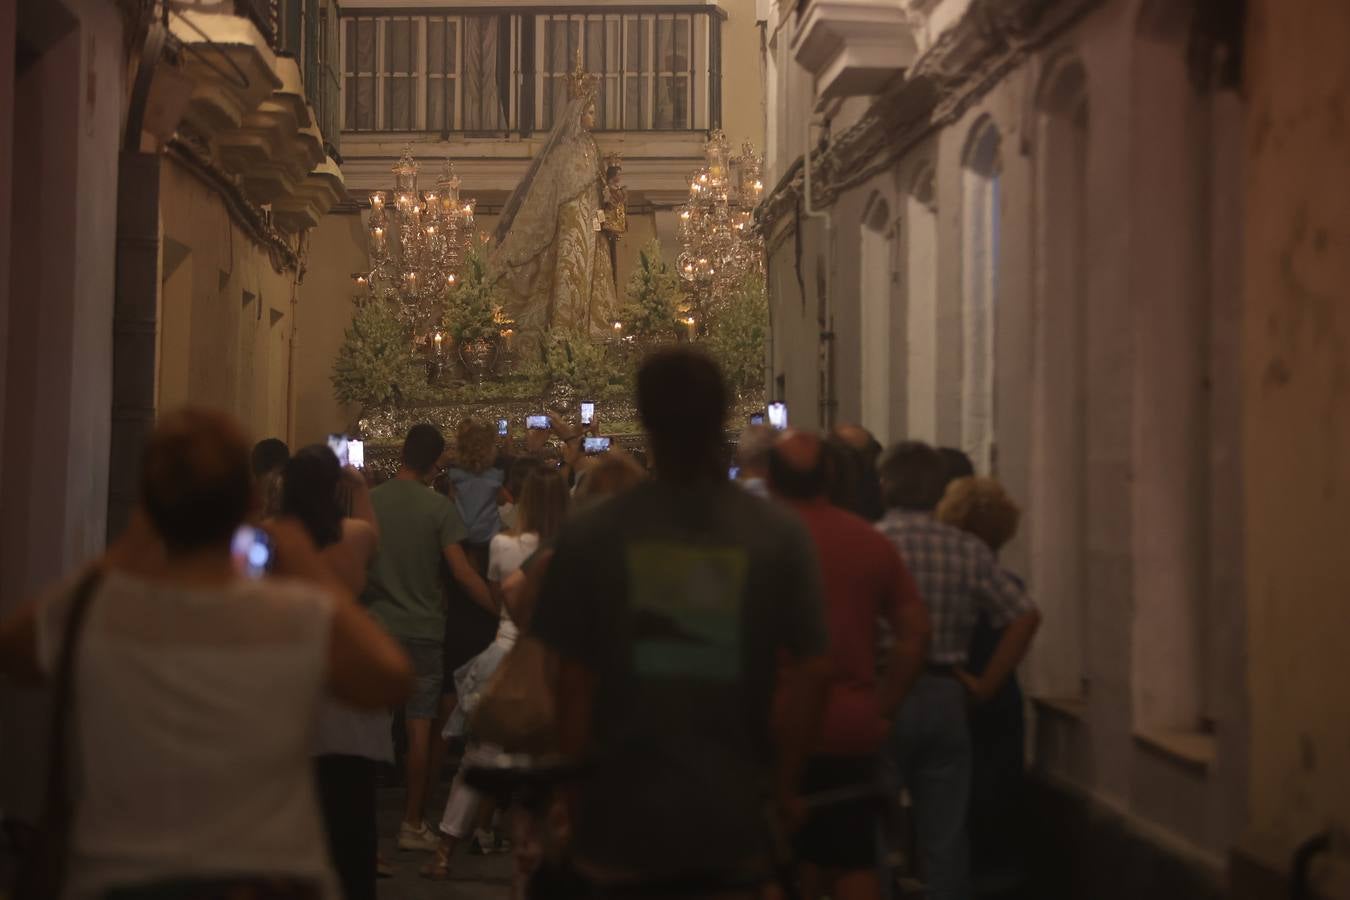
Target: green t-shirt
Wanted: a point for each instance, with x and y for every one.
(680, 599)
(404, 585)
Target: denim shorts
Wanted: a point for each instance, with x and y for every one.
(428, 664)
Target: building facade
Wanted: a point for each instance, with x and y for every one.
(477, 81)
(161, 166)
(1017, 227)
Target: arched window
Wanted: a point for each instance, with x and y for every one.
(920, 264)
(875, 290)
(979, 282)
(1059, 488)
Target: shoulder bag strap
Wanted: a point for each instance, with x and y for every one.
(58, 810)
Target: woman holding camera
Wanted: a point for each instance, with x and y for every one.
(333, 505)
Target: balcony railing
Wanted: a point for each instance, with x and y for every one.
(504, 71)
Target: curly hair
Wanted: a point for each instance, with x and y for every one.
(982, 507)
(477, 447)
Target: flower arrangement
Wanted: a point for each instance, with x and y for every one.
(376, 365)
(576, 365)
(737, 334)
(653, 294)
(473, 305)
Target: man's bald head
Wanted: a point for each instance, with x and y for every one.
(855, 437)
(753, 449)
(195, 479)
(797, 466)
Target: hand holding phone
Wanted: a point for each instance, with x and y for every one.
(778, 416)
(503, 426)
(356, 454)
(537, 423)
(339, 444)
(587, 412)
(592, 445)
(252, 551)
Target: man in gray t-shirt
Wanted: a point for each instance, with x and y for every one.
(681, 612)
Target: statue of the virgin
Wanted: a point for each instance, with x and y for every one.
(552, 253)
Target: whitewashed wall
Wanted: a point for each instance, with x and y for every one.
(1113, 415)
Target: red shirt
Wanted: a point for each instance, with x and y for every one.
(864, 579)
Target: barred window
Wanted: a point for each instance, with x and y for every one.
(470, 71)
(486, 73)
(443, 82)
(644, 64)
(400, 73)
(358, 74)
(674, 72)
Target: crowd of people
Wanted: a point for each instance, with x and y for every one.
(746, 670)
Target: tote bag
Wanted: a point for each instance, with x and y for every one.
(516, 710)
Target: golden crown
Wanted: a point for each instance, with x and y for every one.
(581, 84)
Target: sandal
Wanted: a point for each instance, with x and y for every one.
(439, 867)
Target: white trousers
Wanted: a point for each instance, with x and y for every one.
(461, 808)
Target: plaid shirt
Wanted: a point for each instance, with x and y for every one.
(958, 579)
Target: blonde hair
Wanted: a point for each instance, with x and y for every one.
(477, 447)
(610, 474)
(982, 507)
(543, 503)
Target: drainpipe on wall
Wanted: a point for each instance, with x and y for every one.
(826, 341)
(136, 296)
(302, 257)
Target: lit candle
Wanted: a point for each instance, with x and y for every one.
(437, 341)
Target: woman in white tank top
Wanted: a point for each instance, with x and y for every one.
(197, 689)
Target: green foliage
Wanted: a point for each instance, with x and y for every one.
(584, 366)
(737, 332)
(524, 385)
(471, 305)
(375, 365)
(653, 297)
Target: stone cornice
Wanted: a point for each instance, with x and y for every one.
(990, 40)
(853, 47)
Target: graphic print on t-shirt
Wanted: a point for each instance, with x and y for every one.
(686, 604)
